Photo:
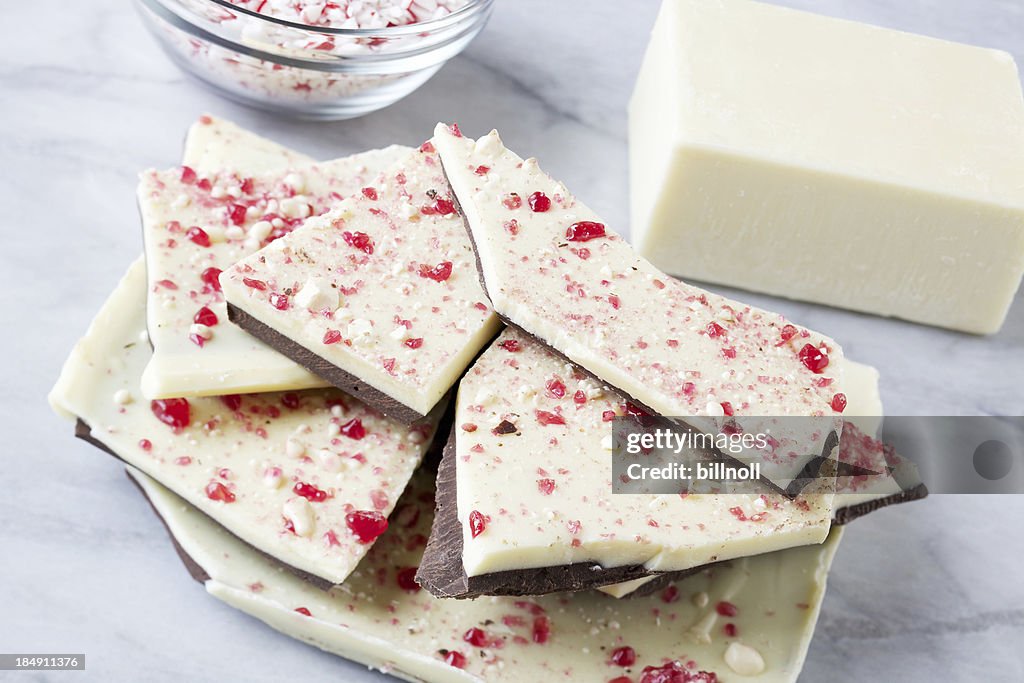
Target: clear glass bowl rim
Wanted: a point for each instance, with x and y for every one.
(386, 32)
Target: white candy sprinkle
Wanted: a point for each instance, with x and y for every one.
(300, 513)
(744, 660)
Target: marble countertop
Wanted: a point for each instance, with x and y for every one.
(929, 591)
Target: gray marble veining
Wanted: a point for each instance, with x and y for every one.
(931, 591)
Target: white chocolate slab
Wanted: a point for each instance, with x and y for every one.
(280, 471)
(173, 203)
(214, 144)
(545, 491)
(384, 286)
(830, 161)
(372, 620)
(678, 349)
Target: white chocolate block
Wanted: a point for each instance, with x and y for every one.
(371, 619)
(830, 161)
(544, 488)
(283, 472)
(236, 213)
(383, 287)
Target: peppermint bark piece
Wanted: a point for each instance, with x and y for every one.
(379, 617)
(551, 267)
(306, 477)
(214, 144)
(380, 296)
(525, 502)
(196, 224)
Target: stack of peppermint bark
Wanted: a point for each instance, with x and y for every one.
(301, 336)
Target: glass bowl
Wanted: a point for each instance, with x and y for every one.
(305, 71)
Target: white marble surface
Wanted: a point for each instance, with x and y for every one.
(930, 591)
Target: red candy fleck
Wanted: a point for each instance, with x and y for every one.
(358, 240)
(475, 637)
(204, 316)
(730, 630)
(546, 486)
(675, 672)
(428, 147)
(469, 427)
(310, 492)
(555, 388)
(232, 401)
(367, 525)
(441, 207)
(290, 400)
(370, 193)
(787, 333)
(541, 630)
(454, 657)
(254, 284)
(406, 579)
(204, 184)
(546, 418)
(512, 201)
(454, 130)
(477, 523)
(510, 345)
(304, 611)
(539, 202)
(839, 403)
(145, 444)
(188, 176)
(726, 609)
(584, 231)
(218, 491)
(354, 429)
(715, 330)
(439, 273)
(482, 170)
(727, 408)
(579, 398)
(813, 358)
(174, 412)
(621, 679)
(614, 301)
(198, 235)
(332, 337)
(237, 214)
(414, 343)
(279, 301)
(624, 656)
(670, 595)
(211, 278)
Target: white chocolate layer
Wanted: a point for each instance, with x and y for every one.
(372, 620)
(238, 213)
(214, 144)
(830, 161)
(545, 490)
(279, 471)
(565, 277)
(384, 286)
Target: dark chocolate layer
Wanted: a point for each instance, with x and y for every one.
(321, 367)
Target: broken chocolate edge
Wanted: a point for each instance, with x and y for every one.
(321, 367)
